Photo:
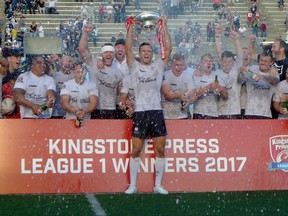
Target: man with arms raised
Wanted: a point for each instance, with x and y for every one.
(148, 120)
(106, 75)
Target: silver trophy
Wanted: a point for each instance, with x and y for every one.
(147, 20)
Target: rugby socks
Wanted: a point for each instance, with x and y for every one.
(159, 168)
(134, 168)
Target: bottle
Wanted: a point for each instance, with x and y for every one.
(216, 81)
(44, 107)
(191, 110)
(79, 122)
(183, 103)
(251, 75)
(283, 104)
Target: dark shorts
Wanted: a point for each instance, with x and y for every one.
(200, 116)
(104, 114)
(149, 124)
(230, 116)
(255, 117)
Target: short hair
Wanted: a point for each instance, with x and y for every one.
(34, 58)
(282, 43)
(120, 41)
(145, 44)
(178, 57)
(206, 55)
(77, 63)
(228, 54)
(267, 54)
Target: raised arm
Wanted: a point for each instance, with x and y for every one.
(239, 51)
(167, 40)
(129, 42)
(219, 48)
(253, 52)
(83, 45)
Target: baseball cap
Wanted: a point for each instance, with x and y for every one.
(120, 41)
(10, 51)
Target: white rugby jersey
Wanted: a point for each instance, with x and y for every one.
(60, 78)
(79, 95)
(35, 91)
(259, 98)
(206, 104)
(230, 106)
(107, 80)
(127, 88)
(184, 83)
(281, 88)
(146, 82)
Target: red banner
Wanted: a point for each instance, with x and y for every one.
(53, 156)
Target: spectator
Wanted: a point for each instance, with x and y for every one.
(173, 11)
(79, 97)
(91, 12)
(281, 5)
(117, 12)
(217, 4)
(123, 11)
(107, 76)
(18, 10)
(194, 7)
(148, 118)
(21, 24)
(264, 28)
(210, 32)
(51, 7)
(40, 30)
(35, 91)
(137, 5)
(236, 21)
(101, 13)
(42, 8)
(253, 9)
(95, 34)
(110, 11)
(255, 26)
(231, 2)
(84, 11)
(286, 23)
(242, 31)
(249, 18)
(177, 90)
(33, 29)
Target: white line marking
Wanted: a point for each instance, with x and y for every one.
(96, 207)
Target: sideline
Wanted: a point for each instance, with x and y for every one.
(95, 205)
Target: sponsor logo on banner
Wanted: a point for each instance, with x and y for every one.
(279, 153)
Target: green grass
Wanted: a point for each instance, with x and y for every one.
(262, 203)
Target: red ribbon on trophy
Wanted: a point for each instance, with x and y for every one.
(129, 22)
(160, 37)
